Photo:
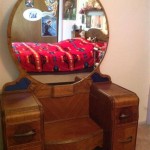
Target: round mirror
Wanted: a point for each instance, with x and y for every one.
(55, 41)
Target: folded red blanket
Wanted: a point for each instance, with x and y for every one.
(68, 55)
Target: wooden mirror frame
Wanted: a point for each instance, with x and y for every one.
(22, 71)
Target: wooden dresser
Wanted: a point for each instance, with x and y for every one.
(115, 109)
(22, 121)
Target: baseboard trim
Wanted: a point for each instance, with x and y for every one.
(143, 123)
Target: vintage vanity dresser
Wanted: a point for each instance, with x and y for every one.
(87, 112)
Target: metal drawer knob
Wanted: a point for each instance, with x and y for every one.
(123, 116)
(128, 140)
(29, 133)
(24, 133)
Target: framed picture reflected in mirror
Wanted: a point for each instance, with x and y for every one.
(48, 25)
(69, 9)
(29, 3)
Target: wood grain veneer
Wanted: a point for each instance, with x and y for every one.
(73, 134)
(115, 109)
(22, 121)
(99, 115)
(63, 108)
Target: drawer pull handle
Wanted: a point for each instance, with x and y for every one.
(129, 139)
(123, 116)
(29, 133)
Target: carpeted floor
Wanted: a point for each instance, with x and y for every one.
(143, 137)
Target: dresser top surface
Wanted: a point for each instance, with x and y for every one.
(112, 89)
(18, 101)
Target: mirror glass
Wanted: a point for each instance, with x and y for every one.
(57, 40)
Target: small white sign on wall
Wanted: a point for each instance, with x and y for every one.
(32, 14)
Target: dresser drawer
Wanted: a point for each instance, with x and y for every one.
(24, 133)
(125, 138)
(126, 114)
(25, 147)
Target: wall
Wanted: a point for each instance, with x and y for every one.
(78, 22)
(126, 60)
(70, 23)
(148, 111)
(8, 69)
(127, 57)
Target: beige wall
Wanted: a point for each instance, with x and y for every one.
(7, 68)
(127, 57)
(126, 60)
(148, 113)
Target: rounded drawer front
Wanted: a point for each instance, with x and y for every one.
(125, 138)
(23, 133)
(126, 114)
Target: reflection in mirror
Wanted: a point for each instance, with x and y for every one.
(56, 41)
